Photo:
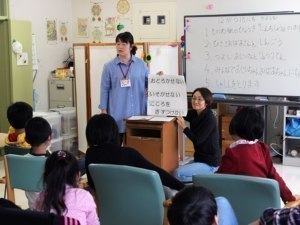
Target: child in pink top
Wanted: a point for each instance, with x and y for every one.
(61, 195)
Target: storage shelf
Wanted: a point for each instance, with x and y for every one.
(291, 161)
(290, 142)
(292, 137)
(291, 116)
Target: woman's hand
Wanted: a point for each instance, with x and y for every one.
(160, 73)
(181, 122)
(292, 204)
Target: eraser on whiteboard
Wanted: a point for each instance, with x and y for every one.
(222, 96)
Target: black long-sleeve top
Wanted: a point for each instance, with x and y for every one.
(113, 154)
(204, 134)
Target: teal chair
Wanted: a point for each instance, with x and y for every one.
(23, 172)
(249, 196)
(128, 195)
(7, 149)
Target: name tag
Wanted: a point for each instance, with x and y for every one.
(125, 83)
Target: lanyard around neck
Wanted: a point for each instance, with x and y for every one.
(124, 75)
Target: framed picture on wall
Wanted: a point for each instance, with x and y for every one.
(82, 27)
(51, 31)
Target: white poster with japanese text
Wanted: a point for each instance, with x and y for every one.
(166, 95)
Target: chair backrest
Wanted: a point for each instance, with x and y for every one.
(23, 172)
(249, 196)
(15, 150)
(128, 195)
(23, 217)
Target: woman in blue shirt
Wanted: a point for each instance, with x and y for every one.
(124, 83)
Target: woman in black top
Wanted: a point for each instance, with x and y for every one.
(103, 139)
(203, 132)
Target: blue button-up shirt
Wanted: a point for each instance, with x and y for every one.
(124, 102)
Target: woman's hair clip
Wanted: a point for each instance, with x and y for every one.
(61, 154)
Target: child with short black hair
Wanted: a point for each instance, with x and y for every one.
(38, 135)
(18, 114)
(249, 156)
(196, 205)
(193, 205)
(62, 195)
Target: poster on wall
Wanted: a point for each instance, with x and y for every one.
(96, 9)
(110, 26)
(64, 31)
(82, 27)
(96, 34)
(51, 31)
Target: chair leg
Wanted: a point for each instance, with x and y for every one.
(9, 189)
(166, 204)
(3, 181)
(5, 191)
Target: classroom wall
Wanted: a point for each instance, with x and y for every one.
(82, 10)
(50, 56)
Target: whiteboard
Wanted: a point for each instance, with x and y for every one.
(244, 54)
(99, 55)
(164, 57)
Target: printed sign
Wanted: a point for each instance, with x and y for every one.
(166, 96)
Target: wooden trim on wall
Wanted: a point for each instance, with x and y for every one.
(88, 98)
(88, 84)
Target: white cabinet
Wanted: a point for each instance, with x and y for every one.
(291, 137)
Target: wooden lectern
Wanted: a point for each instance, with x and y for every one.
(157, 141)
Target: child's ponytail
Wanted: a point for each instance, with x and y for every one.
(61, 169)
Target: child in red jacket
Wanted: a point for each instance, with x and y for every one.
(249, 156)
